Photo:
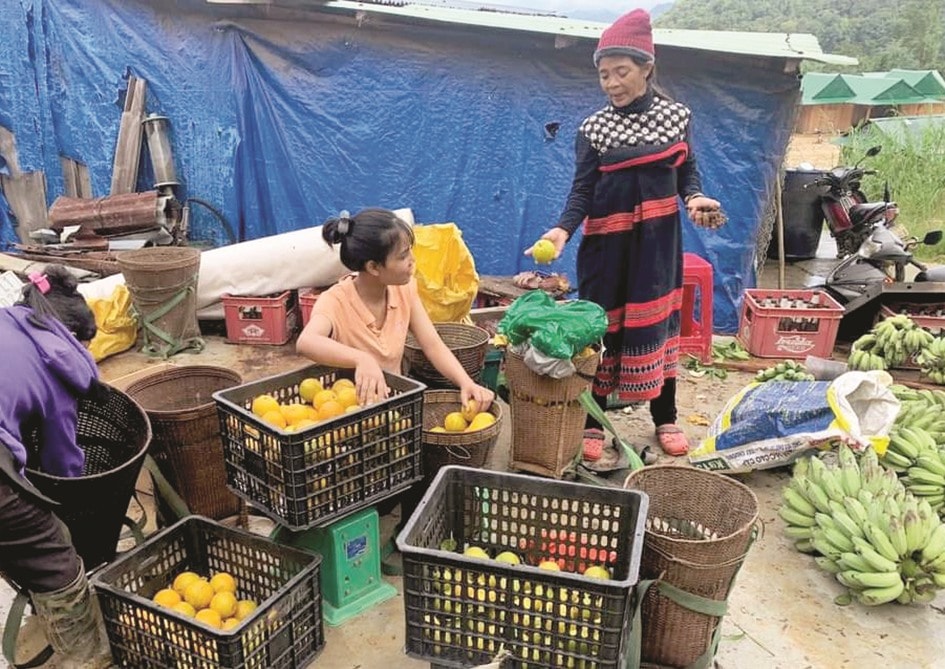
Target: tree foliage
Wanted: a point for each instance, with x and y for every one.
(882, 35)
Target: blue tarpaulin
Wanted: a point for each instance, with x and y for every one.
(282, 123)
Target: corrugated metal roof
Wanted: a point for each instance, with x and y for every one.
(927, 82)
(794, 46)
(869, 90)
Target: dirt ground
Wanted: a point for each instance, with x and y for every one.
(814, 148)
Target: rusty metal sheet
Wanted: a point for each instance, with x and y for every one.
(109, 215)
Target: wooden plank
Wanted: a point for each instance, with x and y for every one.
(76, 178)
(130, 132)
(8, 151)
(26, 195)
(68, 177)
(83, 181)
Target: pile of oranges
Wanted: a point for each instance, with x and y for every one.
(212, 602)
(318, 404)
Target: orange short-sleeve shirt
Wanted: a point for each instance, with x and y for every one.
(353, 324)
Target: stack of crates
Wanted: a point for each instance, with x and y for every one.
(311, 476)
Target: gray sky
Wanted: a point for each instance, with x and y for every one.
(598, 10)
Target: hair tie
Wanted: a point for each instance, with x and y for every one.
(40, 281)
(344, 223)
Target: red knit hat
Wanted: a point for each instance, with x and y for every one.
(630, 35)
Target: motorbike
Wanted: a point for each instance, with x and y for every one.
(881, 258)
(848, 215)
(871, 249)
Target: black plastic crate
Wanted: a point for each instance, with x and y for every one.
(461, 610)
(284, 632)
(314, 476)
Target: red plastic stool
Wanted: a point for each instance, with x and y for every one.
(695, 336)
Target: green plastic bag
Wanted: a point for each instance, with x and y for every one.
(557, 329)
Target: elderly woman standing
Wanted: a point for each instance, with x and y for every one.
(634, 161)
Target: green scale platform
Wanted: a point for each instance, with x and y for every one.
(351, 580)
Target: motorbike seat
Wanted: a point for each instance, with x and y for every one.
(863, 213)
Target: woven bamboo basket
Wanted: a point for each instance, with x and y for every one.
(547, 418)
(469, 449)
(162, 281)
(187, 443)
(467, 342)
(698, 531)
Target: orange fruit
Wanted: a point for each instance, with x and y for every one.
(167, 597)
(275, 418)
(340, 384)
(293, 413)
(352, 408)
(454, 422)
(305, 423)
(182, 580)
(209, 617)
(230, 623)
(308, 389)
(223, 582)
(263, 404)
(184, 609)
(224, 603)
(198, 594)
(244, 607)
(330, 409)
(322, 397)
(347, 397)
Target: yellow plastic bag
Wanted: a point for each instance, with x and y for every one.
(117, 328)
(446, 272)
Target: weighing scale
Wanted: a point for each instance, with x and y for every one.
(350, 548)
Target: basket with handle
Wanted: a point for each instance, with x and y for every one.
(187, 443)
(467, 342)
(699, 529)
(470, 449)
(547, 414)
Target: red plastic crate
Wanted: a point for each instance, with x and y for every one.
(789, 323)
(930, 316)
(307, 299)
(260, 320)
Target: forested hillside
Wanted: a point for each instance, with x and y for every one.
(882, 34)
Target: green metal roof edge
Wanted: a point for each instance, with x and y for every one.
(796, 46)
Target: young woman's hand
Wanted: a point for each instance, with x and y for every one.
(557, 236)
(369, 381)
(473, 391)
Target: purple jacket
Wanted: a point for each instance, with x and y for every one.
(44, 372)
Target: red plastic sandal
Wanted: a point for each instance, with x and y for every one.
(593, 444)
(672, 439)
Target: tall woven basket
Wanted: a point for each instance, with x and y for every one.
(187, 443)
(547, 418)
(698, 532)
(162, 281)
(467, 342)
(468, 449)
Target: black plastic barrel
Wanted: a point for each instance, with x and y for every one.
(802, 215)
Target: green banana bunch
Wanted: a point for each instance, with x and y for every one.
(894, 340)
(931, 360)
(881, 542)
(789, 370)
(925, 478)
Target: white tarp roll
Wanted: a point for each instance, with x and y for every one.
(298, 259)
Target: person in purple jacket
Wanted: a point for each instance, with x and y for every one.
(47, 369)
